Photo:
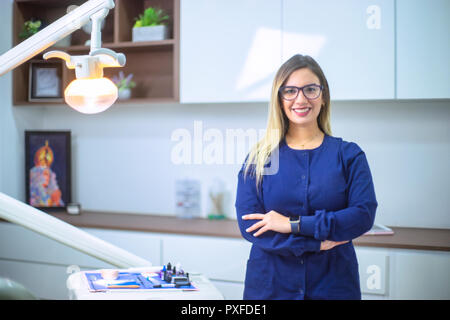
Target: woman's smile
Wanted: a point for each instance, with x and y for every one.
(301, 111)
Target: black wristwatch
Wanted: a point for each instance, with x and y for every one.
(295, 224)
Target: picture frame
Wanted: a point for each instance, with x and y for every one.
(48, 169)
(45, 81)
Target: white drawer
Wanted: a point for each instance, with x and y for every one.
(373, 271)
(19, 243)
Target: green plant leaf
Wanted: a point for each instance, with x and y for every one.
(151, 17)
(29, 28)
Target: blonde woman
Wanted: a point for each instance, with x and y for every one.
(302, 216)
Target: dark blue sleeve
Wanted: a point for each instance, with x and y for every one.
(248, 200)
(358, 217)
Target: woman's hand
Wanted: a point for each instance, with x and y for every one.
(272, 220)
(328, 244)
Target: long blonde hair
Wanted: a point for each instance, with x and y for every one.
(278, 123)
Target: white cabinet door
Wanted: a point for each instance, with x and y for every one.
(44, 281)
(229, 50)
(373, 270)
(422, 275)
(423, 49)
(352, 40)
(143, 244)
(230, 290)
(20, 244)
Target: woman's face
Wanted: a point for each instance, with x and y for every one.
(302, 111)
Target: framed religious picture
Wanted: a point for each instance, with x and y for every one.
(48, 169)
(45, 81)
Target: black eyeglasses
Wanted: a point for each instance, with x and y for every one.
(310, 91)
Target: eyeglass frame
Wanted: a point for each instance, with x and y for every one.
(301, 89)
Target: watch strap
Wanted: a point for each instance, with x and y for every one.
(295, 224)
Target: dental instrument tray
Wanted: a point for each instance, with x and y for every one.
(138, 281)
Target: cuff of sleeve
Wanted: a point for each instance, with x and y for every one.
(307, 225)
(308, 245)
(313, 245)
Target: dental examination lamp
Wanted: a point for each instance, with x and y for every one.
(90, 92)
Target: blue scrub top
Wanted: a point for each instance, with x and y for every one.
(331, 188)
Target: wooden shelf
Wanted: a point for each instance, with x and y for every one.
(146, 100)
(126, 45)
(131, 101)
(154, 64)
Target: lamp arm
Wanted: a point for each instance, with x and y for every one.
(56, 31)
(38, 221)
(96, 36)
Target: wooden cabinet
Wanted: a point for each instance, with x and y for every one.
(154, 64)
(423, 62)
(230, 50)
(353, 41)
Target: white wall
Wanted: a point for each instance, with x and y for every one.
(13, 121)
(122, 158)
(408, 147)
(5, 85)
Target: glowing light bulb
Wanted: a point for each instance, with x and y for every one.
(91, 95)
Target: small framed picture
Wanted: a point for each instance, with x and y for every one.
(45, 81)
(48, 168)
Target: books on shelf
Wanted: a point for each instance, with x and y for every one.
(379, 229)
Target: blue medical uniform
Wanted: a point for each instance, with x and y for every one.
(331, 188)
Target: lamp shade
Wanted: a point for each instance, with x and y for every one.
(91, 95)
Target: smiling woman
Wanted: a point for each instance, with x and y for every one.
(297, 74)
(302, 217)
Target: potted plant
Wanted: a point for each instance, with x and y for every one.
(124, 85)
(151, 26)
(30, 27)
